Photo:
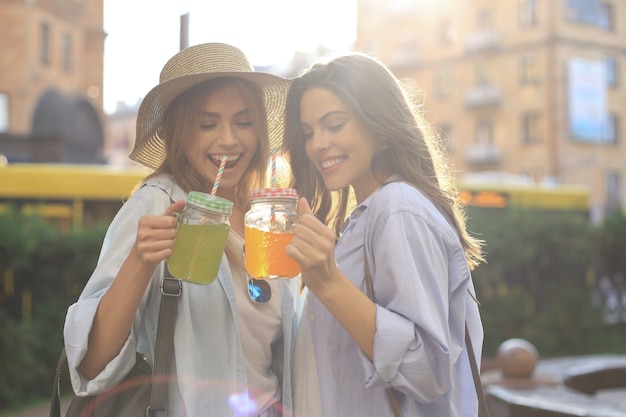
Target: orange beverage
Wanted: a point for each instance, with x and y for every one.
(265, 254)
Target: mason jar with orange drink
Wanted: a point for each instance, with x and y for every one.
(268, 230)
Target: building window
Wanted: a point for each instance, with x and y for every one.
(444, 83)
(613, 189)
(529, 68)
(67, 52)
(612, 128)
(582, 11)
(446, 32)
(611, 70)
(4, 112)
(591, 12)
(483, 20)
(531, 128)
(482, 74)
(484, 133)
(45, 43)
(528, 13)
(605, 16)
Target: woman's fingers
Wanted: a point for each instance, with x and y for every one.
(155, 234)
(312, 246)
(175, 208)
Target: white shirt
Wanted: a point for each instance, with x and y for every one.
(259, 326)
(207, 356)
(421, 282)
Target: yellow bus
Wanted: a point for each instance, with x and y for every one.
(530, 196)
(75, 196)
(70, 195)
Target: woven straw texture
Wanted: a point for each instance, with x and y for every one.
(192, 66)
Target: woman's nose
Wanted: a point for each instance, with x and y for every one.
(226, 135)
(318, 142)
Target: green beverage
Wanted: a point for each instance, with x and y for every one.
(197, 252)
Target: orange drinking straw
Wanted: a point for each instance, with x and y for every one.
(220, 171)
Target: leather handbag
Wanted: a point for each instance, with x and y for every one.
(483, 411)
(142, 392)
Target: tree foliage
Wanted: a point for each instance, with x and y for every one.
(539, 278)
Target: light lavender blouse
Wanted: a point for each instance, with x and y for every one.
(421, 282)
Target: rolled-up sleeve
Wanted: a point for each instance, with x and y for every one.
(77, 327)
(409, 263)
(119, 239)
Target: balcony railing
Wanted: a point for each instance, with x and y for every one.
(483, 96)
(406, 56)
(482, 40)
(482, 154)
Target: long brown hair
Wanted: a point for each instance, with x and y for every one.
(182, 121)
(384, 106)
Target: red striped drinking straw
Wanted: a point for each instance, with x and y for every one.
(220, 171)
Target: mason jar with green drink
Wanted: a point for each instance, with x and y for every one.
(201, 235)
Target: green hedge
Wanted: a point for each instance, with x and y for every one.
(542, 269)
(42, 271)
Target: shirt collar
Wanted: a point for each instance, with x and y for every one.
(358, 211)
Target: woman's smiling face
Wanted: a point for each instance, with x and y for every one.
(337, 143)
(226, 128)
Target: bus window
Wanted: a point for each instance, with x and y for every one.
(502, 195)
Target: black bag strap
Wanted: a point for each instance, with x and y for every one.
(483, 410)
(171, 289)
(55, 405)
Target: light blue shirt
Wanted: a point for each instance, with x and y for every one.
(207, 356)
(421, 282)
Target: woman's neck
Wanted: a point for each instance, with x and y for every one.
(228, 194)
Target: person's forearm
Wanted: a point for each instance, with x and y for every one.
(114, 316)
(352, 309)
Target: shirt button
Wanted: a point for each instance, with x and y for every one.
(312, 316)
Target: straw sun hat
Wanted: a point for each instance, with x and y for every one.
(192, 66)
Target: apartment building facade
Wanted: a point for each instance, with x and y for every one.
(535, 88)
(49, 46)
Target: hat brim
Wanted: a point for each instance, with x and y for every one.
(149, 148)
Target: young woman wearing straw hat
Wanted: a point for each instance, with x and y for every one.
(230, 356)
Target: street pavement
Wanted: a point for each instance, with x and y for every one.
(549, 372)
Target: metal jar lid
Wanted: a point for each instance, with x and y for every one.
(274, 193)
(209, 202)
